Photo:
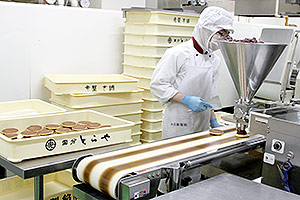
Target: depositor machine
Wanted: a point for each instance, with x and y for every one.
(137, 172)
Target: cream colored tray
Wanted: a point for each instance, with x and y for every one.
(136, 138)
(93, 100)
(138, 71)
(57, 186)
(152, 114)
(11, 109)
(114, 109)
(133, 117)
(142, 61)
(152, 104)
(147, 93)
(144, 82)
(151, 134)
(21, 149)
(151, 124)
(143, 50)
(137, 127)
(89, 83)
(156, 40)
(158, 29)
(161, 17)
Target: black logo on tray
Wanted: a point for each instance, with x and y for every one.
(50, 145)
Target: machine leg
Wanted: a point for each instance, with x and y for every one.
(39, 188)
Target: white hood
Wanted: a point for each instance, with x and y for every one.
(212, 20)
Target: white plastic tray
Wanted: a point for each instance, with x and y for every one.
(158, 29)
(161, 17)
(11, 109)
(143, 50)
(152, 104)
(116, 109)
(133, 117)
(138, 71)
(93, 100)
(156, 40)
(151, 134)
(56, 186)
(142, 61)
(89, 83)
(137, 127)
(144, 82)
(152, 124)
(136, 138)
(147, 93)
(21, 149)
(152, 114)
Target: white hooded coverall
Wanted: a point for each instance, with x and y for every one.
(182, 69)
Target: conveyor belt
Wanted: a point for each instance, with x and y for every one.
(104, 171)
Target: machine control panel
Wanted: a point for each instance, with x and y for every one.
(278, 146)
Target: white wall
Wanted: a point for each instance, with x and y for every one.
(117, 5)
(40, 39)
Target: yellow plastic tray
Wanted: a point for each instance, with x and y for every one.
(56, 186)
(115, 109)
(30, 107)
(151, 124)
(93, 100)
(143, 141)
(143, 50)
(152, 104)
(133, 117)
(156, 40)
(158, 29)
(151, 134)
(147, 94)
(89, 83)
(137, 127)
(138, 71)
(142, 61)
(151, 114)
(136, 138)
(175, 18)
(144, 82)
(21, 149)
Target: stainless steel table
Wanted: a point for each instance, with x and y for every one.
(227, 186)
(38, 167)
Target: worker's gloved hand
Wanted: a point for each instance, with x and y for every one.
(214, 123)
(197, 104)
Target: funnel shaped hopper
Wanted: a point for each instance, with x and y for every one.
(249, 64)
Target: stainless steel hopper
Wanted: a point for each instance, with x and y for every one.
(248, 64)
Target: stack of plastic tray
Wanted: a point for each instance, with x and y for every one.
(148, 34)
(113, 94)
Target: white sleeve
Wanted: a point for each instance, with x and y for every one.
(215, 101)
(164, 76)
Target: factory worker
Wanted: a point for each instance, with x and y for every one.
(185, 79)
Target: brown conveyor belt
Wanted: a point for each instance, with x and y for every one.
(104, 171)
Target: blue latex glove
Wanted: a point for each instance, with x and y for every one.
(197, 104)
(214, 123)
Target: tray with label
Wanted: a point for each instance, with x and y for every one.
(115, 131)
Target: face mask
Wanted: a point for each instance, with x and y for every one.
(214, 43)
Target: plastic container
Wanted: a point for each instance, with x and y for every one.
(156, 40)
(152, 104)
(152, 114)
(158, 29)
(137, 127)
(89, 83)
(113, 110)
(133, 117)
(152, 124)
(30, 107)
(144, 82)
(151, 134)
(56, 186)
(141, 61)
(20, 149)
(161, 17)
(143, 141)
(93, 100)
(147, 93)
(138, 71)
(143, 50)
(135, 139)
